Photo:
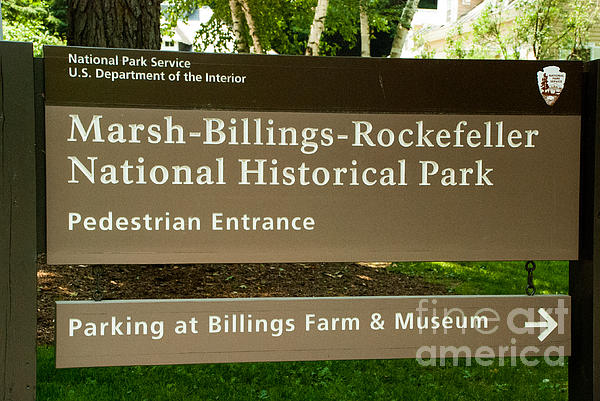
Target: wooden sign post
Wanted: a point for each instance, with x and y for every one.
(584, 273)
(17, 223)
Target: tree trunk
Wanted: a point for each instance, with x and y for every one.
(238, 27)
(114, 23)
(365, 35)
(316, 29)
(251, 26)
(403, 27)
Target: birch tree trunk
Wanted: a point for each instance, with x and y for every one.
(403, 27)
(114, 23)
(238, 27)
(251, 26)
(365, 35)
(316, 29)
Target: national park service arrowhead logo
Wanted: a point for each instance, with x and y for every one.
(551, 81)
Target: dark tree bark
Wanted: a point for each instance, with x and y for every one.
(114, 23)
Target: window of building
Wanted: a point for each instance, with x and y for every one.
(184, 47)
(194, 15)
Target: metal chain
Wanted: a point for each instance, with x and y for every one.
(97, 271)
(530, 267)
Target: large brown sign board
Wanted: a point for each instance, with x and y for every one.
(152, 332)
(156, 157)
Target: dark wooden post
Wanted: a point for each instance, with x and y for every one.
(584, 274)
(40, 146)
(17, 224)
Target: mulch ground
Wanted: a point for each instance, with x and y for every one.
(80, 282)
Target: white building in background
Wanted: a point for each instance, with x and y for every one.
(445, 13)
(431, 27)
(184, 34)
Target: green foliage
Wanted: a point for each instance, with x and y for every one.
(283, 26)
(488, 37)
(52, 14)
(384, 14)
(556, 28)
(24, 10)
(342, 27)
(57, 18)
(422, 47)
(40, 22)
(492, 36)
(582, 16)
(216, 33)
(456, 44)
(541, 24)
(550, 29)
(30, 32)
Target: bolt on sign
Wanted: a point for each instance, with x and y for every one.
(430, 329)
(156, 157)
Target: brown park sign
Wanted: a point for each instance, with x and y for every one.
(153, 332)
(155, 157)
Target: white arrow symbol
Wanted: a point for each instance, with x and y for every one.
(550, 324)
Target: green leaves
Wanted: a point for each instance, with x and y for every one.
(32, 31)
(40, 22)
(283, 25)
(51, 14)
(544, 29)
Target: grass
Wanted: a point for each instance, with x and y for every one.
(335, 380)
(384, 380)
(488, 278)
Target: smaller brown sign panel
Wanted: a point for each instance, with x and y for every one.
(153, 332)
